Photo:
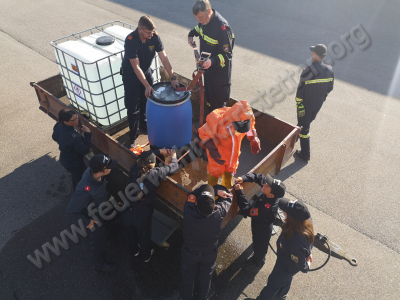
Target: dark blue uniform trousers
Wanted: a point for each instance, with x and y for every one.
(76, 172)
(98, 245)
(216, 94)
(200, 265)
(305, 122)
(135, 102)
(278, 285)
(139, 234)
(261, 236)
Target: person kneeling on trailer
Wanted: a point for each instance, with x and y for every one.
(294, 247)
(138, 217)
(262, 213)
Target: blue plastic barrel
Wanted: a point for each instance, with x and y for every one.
(169, 117)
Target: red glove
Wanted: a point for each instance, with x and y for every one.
(254, 142)
(255, 145)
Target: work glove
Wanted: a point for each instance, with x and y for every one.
(255, 145)
(301, 111)
(254, 142)
(213, 150)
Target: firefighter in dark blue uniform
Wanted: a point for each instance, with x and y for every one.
(316, 82)
(202, 224)
(73, 147)
(89, 194)
(294, 247)
(216, 37)
(140, 49)
(138, 217)
(262, 213)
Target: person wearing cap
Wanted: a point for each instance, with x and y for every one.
(222, 135)
(141, 46)
(138, 217)
(203, 216)
(90, 193)
(316, 82)
(73, 146)
(262, 213)
(294, 247)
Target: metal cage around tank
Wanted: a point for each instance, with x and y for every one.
(84, 85)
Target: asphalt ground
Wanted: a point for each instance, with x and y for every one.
(350, 185)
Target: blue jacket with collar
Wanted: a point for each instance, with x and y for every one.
(73, 147)
(87, 191)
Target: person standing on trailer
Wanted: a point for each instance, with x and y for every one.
(316, 82)
(216, 37)
(222, 136)
(262, 213)
(140, 49)
(73, 147)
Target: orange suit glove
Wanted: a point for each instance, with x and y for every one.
(255, 145)
(213, 150)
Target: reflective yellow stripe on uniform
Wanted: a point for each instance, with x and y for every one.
(210, 40)
(298, 99)
(221, 60)
(200, 31)
(319, 80)
(304, 136)
(206, 38)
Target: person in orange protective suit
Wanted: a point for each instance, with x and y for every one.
(222, 135)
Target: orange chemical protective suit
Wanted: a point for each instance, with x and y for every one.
(219, 128)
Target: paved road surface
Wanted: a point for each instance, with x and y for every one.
(350, 185)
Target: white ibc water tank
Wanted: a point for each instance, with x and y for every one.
(90, 72)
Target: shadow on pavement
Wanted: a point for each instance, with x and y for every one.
(29, 191)
(35, 197)
(71, 275)
(286, 30)
(231, 282)
(291, 169)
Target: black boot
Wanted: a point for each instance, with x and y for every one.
(305, 148)
(299, 154)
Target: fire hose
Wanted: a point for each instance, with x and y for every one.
(321, 241)
(197, 77)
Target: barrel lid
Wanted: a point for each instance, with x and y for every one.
(105, 40)
(165, 94)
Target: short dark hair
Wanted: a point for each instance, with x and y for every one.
(65, 115)
(144, 165)
(146, 22)
(201, 5)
